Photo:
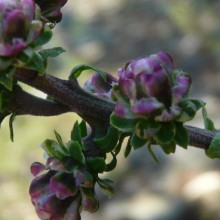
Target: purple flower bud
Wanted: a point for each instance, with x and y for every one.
(17, 29)
(37, 168)
(89, 202)
(63, 185)
(148, 107)
(51, 9)
(100, 87)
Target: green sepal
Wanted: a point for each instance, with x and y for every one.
(109, 142)
(120, 142)
(53, 149)
(75, 151)
(52, 52)
(209, 125)
(128, 147)
(60, 141)
(181, 136)
(44, 37)
(106, 186)
(137, 142)
(76, 71)
(36, 63)
(124, 125)
(168, 147)
(166, 133)
(76, 134)
(96, 164)
(214, 148)
(111, 166)
(23, 58)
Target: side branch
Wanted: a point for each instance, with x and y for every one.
(27, 104)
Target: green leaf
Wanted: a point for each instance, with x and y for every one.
(109, 142)
(75, 151)
(181, 136)
(152, 154)
(106, 186)
(120, 142)
(60, 141)
(168, 147)
(75, 133)
(166, 133)
(52, 52)
(5, 99)
(6, 78)
(83, 129)
(124, 125)
(76, 71)
(4, 63)
(209, 125)
(44, 37)
(214, 149)
(36, 63)
(11, 120)
(128, 148)
(138, 142)
(111, 166)
(97, 164)
(53, 149)
(189, 107)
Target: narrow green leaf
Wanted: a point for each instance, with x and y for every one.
(106, 186)
(128, 148)
(97, 164)
(6, 78)
(166, 133)
(120, 142)
(83, 129)
(111, 166)
(36, 63)
(76, 71)
(75, 151)
(168, 147)
(44, 37)
(209, 125)
(181, 136)
(189, 107)
(214, 149)
(124, 125)
(138, 142)
(152, 154)
(60, 141)
(109, 142)
(53, 149)
(52, 52)
(75, 133)
(11, 120)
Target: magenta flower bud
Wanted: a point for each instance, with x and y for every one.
(37, 168)
(89, 202)
(50, 9)
(100, 87)
(17, 26)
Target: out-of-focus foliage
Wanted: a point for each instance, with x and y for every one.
(107, 33)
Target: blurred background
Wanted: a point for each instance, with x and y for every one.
(106, 34)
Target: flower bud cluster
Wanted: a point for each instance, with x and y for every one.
(63, 190)
(150, 88)
(67, 185)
